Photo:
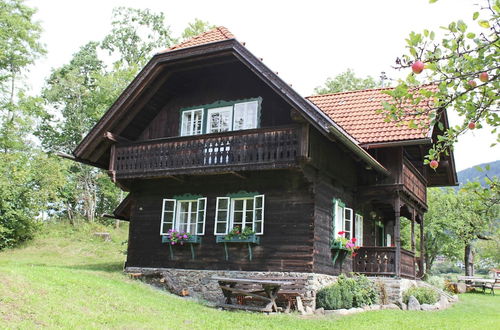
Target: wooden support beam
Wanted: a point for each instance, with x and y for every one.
(175, 178)
(422, 247)
(397, 235)
(241, 176)
(115, 138)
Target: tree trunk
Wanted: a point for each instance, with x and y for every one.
(469, 260)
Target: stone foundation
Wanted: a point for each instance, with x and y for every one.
(199, 284)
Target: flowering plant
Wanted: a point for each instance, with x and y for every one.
(236, 232)
(349, 244)
(177, 237)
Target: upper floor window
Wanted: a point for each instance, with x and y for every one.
(215, 118)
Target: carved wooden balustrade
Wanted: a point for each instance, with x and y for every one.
(414, 182)
(219, 152)
(379, 261)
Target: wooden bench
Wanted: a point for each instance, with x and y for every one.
(478, 282)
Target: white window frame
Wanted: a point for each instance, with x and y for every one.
(255, 115)
(190, 130)
(229, 221)
(348, 216)
(358, 229)
(229, 109)
(176, 212)
(339, 219)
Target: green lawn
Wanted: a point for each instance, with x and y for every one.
(68, 279)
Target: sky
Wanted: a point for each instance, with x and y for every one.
(304, 41)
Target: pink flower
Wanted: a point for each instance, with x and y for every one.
(173, 243)
(185, 236)
(349, 245)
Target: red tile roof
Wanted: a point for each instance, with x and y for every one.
(217, 34)
(356, 113)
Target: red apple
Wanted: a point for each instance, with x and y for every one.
(483, 76)
(471, 84)
(472, 125)
(434, 164)
(417, 67)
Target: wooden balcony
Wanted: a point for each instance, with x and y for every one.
(414, 182)
(380, 261)
(256, 149)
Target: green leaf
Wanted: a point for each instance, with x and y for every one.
(461, 26)
(484, 24)
(432, 1)
(487, 167)
(471, 35)
(479, 168)
(475, 15)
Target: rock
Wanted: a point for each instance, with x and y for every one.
(329, 312)
(309, 310)
(106, 237)
(413, 304)
(427, 307)
(342, 311)
(320, 311)
(403, 306)
(367, 307)
(461, 288)
(300, 306)
(390, 306)
(454, 298)
(443, 303)
(375, 307)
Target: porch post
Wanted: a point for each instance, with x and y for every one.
(397, 236)
(413, 241)
(422, 249)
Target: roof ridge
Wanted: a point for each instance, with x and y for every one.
(220, 29)
(352, 92)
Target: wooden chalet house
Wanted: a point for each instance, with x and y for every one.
(207, 138)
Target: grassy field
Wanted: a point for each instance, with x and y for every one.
(67, 278)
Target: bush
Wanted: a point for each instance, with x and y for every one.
(423, 295)
(350, 292)
(437, 281)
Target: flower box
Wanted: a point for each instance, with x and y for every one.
(194, 239)
(253, 239)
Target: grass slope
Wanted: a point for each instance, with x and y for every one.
(67, 278)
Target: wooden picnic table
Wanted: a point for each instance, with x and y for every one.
(479, 282)
(267, 292)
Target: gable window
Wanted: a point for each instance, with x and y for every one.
(184, 215)
(242, 212)
(343, 220)
(220, 117)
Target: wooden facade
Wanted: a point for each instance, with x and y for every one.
(295, 156)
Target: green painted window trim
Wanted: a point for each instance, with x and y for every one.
(219, 104)
(187, 197)
(243, 194)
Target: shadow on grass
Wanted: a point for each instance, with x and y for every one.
(110, 267)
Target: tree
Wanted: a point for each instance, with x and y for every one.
(346, 81)
(460, 72)
(196, 28)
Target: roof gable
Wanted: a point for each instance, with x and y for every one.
(217, 34)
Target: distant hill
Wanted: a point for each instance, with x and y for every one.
(472, 174)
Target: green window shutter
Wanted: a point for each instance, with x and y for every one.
(258, 214)
(201, 214)
(222, 215)
(167, 215)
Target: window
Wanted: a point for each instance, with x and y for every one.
(192, 122)
(240, 212)
(215, 118)
(343, 219)
(359, 230)
(184, 215)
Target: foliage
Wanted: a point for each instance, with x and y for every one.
(424, 295)
(236, 232)
(437, 281)
(196, 28)
(347, 292)
(346, 81)
(177, 237)
(454, 66)
(28, 183)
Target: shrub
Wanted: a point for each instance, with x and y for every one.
(437, 281)
(423, 295)
(350, 292)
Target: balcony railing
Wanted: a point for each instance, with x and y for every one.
(414, 182)
(229, 151)
(380, 261)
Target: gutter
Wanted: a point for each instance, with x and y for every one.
(400, 143)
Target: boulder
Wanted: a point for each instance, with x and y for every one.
(300, 306)
(375, 307)
(461, 288)
(390, 306)
(443, 303)
(427, 307)
(320, 311)
(413, 304)
(309, 310)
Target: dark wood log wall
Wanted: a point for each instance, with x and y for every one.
(287, 243)
(224, 82)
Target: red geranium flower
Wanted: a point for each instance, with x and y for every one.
(354, 254)
(341, 232)
(354, 239)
